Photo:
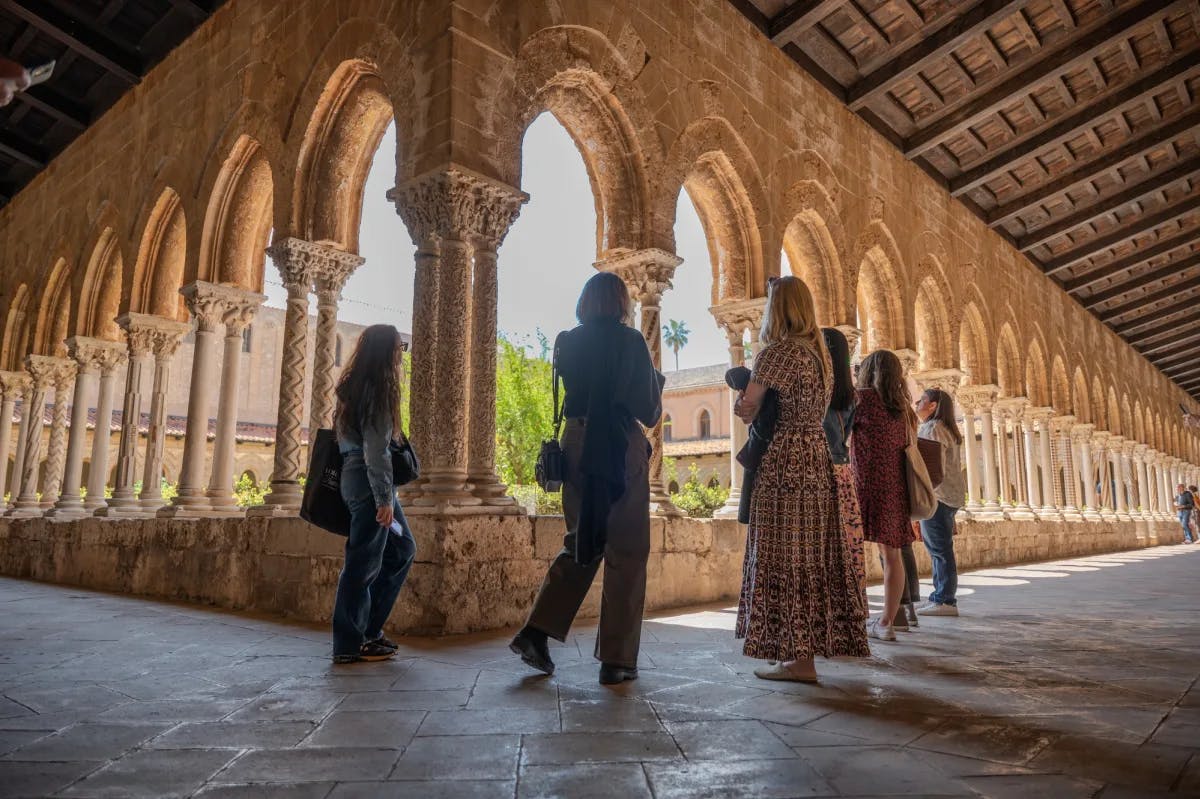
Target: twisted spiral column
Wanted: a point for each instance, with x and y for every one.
(44, 371)
(331, 270)
(12, 388)
(56, 451)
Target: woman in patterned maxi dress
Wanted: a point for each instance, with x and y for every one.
(800, 596)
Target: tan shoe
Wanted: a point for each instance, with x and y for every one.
(786, 673)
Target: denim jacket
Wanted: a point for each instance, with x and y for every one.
(372, 442)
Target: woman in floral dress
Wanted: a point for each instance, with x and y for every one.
(883, 422)
(800, 595)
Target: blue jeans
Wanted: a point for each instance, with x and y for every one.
(377, 563)
(1184, 517)
(938, 534)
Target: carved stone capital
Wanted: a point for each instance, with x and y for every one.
(13, 385)
(95, 354)
(457, 203)
(1082, 432)
(214, 305)
(908, 359)
(294, 259)
(1140, 452)
(1012, 408)
(647, 272)
(1062, 425)
(735, 318)
(152, 335)
(978, 397)
(1040, 415)
(1130, 447)
(947, 380)
(48, 371)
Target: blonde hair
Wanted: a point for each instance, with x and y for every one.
(791, 313)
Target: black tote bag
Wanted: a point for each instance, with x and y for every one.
(322, 504)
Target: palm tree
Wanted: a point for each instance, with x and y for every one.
(675, 336)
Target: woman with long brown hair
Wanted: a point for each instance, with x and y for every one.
(380, 547)
(800, 594)
(935, 409)
(883, 422)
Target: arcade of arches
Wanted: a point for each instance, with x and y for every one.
(255, 136)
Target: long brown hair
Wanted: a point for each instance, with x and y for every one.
(604, 297)
(370, 383)
(791, 313)
(943, 411)
(881, 370)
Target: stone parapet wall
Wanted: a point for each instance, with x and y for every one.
(473, 573)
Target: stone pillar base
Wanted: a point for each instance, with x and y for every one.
(73, 510)
(1049, 513)
(270, 511)
(282, 502)
(1021, 513)
(25, 511)
(199, 512)
(1092, 515)
(124, 512)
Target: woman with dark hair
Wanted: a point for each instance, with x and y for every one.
(839, 417)
(883, 422)
(611, 386)
(380, 547)
(935, 409)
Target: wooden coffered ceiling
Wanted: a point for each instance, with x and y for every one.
(102, 48)
(1070, 127)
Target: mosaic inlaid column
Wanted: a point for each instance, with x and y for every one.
(207, 303)
(110, 361)
(1116, 448)
(1082, 435)
(1141, 477)
(1042, 446)
(85, 351)
(1066, 480)
(1102, 465)
(165, 342)
(735, 319)
(648, 275)
(502, 210)
(984, 398)
(1017, 458)
(331, 270)
(43, 371)
(138, 335)
(12, 388)
(239, 313)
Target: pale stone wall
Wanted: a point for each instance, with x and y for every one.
(475, 573)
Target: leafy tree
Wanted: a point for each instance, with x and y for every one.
(696, 498)
(524, 416)
(675, 336)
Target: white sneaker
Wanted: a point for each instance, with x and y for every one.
(882, 632)
(937, 609)
(777, 671)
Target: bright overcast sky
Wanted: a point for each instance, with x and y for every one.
(543, 263)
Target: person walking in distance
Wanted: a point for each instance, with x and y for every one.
(1185, 503)
(380, 547)
(883, 422)
(935, 409)
(800, 591)
(611, 386)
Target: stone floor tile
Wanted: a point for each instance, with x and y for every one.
(233, 735)
(593, 781)
(406, 700)
(875, 728)
(804, 737)
(880, 771)
(608, 716)
(1147, 766)
(529, 694)
(708, 695)
(426, 789)
(77, 698)
(268, 790)
(780, 708)
(425, 675)
(40, 779)
(739, 779)
(487, 757)
(154, 774)
(483, 722)
(14, 739)
(599, 747)
(171, 710)
(316, 764)
(289, 706)
(1038, 786)
(88, 742)
(367, 728)
(1003, 741)
(727, 740)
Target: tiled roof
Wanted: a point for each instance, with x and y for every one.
(697, 377)
(247, 432)
(696, 447)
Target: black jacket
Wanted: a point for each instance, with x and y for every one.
(762, 430)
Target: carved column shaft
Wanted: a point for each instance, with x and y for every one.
(85, 353)
(972, 452)
(330, 274)
(166, 342)
(12, 386)
(15, 480)
(238, 316)
(110, 361)
(735, 319)
(44, 371)
(56, 453)
(140, 343)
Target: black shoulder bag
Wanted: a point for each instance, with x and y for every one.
(405, 466)
(551, 468)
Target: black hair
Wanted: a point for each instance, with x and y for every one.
(842, 398)
(604, 296)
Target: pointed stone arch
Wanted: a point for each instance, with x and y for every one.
(1037, 387)
(933, 321)
(161, 261)
(1009, 374)
(12, 349)
(238, 220)
(974, 356)
(1115, 425)
(814, 238)
(99, 284)
(879, 289)
(54, 311)
(1139, 423)
(1082, 403)
(1099, 405)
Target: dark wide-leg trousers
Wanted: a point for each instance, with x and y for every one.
(625, 554)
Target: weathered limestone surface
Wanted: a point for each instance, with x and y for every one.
(473, 572)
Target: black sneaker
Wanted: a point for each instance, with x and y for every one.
(615, 675)
(383, 640)
(369, 651)
(533, 651)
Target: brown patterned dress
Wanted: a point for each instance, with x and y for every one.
(800, 593)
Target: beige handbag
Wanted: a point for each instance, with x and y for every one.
(922, 502)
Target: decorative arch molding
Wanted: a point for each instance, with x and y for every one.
(1115, 420)
(577, 75)
(815, 243)
(974, 348)
(1082, 400)
(1099, 405)
(711, 162)
(161, 260)
(54, 311)
(97, 287)
(12, 349)
(1009, 373)
(1037, 386)
(934, 319)
(237, 221)
(1060, 387)
(879, 278)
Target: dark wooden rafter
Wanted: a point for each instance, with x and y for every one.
(798, 18)
(1121, 235)
(1187, 336)
(23, 150)
(80, 38)
(1143, 333)
(1123, 265)
(1183, 370)
(1174, 361)
(1143, 303)
(1107, 205)
(1150, 318)
(1168, 270)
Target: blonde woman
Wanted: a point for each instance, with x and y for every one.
(800, 593)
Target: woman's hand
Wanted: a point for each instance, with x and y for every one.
(749, 402)
(383, 516)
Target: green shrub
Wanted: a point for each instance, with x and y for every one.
(536, 501)
(249, 492)
(697, 499)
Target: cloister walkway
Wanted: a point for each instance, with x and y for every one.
(1067, 679)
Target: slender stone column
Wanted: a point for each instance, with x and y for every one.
(1141, 477)
(1017, 457)
(86, 353)
(1081, 434)
(239, 313)
(1033, 483)
(138, 334)
(1102, 465)
(330, 273)
(984, 398)
(18, 469)
(974, 502)
(208, 304)
(648, 274)
(1041, 446)
(12, 388)
(110, 361)
(735, 318)
(165, 341)
(1116, 448)
(44, 371)
(1066, 479)
(481, 439)
(56, 452)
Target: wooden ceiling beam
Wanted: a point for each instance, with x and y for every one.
(1185, 337)
(1130, 261)
(1141, 303)
(199, 12)
(1135, 333)
(1108, 205)
(1177, 373)
(944, 35)
(806, 63)
(1159, 313)
(787, 25)
(50, 102)
(1142, 225)
(1071, 54)
(81, 38)
(1142, 145)
(1137, 281)
(1082, 118)
(1173, 360)
(24, 151)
